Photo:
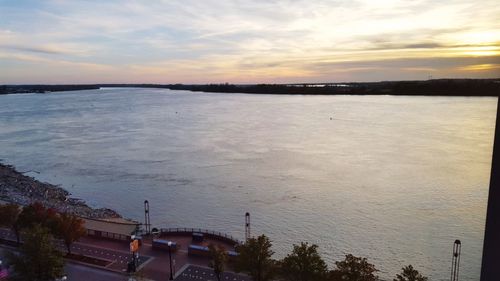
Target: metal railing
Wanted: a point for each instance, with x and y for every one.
(211, 233)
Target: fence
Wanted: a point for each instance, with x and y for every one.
(209, 233)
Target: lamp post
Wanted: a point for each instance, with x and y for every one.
(170, 258)
(455, 263)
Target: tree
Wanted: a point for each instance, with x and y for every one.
(38, 260)
(254, 258)
(36, 213)
(410, 274)
(354, 269)
(9, 215)
(219, 258)
(70, 229)
(304, 264)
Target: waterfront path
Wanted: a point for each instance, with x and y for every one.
(116, 258)
(193, 272)
(153, 264)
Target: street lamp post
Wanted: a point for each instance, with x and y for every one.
(170, 258)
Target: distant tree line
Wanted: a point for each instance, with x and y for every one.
(435, 87)
(440, 87)
(303, 264)
(36, 229)
(15, 89)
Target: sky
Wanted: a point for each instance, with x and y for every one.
(244, 41)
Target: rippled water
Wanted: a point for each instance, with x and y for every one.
(394, 179)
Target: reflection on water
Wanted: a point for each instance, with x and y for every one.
(395, 179)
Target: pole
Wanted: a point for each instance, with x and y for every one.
(134, 262)
(455, 263)
(247, 226)
(170, 258)
(147, 222)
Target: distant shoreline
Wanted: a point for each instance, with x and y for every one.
(41, 89)
(435, 87)
(17, 188)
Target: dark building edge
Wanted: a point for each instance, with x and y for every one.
(490, 269)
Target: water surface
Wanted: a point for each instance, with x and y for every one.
(394, 179)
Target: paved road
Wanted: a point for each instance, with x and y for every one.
(198, 273)
(76, 272)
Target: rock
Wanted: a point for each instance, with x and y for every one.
(17, 188)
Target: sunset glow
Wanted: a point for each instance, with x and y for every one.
(246, 41)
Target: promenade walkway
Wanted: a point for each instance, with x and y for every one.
(193, 272)
(116, 257)
(153, 263)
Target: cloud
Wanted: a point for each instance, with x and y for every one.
(42, 50)
(425, 63)
(481, 67)
(238, 40)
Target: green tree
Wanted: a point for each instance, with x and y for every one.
(9, 215)
(219, 259)
(354, 269)
(304, 264)
(254, 258)
(70, 229)
(38, 260)
(408, 273)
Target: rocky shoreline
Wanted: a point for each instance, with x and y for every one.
(17, 188)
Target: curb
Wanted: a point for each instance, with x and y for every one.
(96, 266)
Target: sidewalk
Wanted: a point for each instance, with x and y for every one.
(199, 273)
(154, 264)
(115, 256)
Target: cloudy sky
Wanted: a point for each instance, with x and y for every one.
(244, 41)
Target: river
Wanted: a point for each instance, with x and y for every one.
(395, 179)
